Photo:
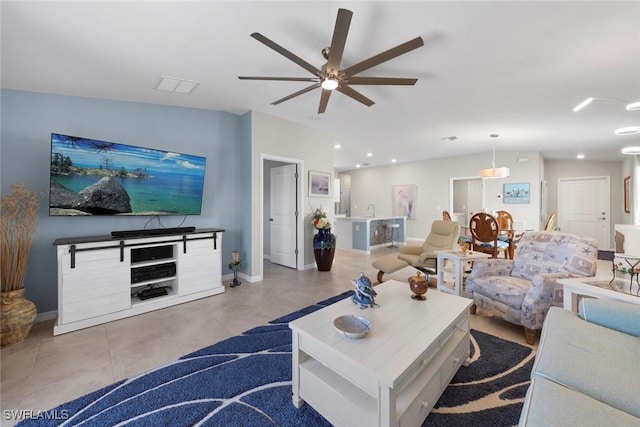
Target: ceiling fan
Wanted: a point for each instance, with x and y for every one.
(330, 76)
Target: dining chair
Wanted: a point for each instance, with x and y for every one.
(446, 216)
(551, 222)
(505, 222)
(506, 232)
(484, 234)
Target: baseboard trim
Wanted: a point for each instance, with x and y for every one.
(47, 315)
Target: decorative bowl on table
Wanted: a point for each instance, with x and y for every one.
(352, 326)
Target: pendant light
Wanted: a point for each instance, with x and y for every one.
(493, 171)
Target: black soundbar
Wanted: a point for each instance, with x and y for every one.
(152, 232)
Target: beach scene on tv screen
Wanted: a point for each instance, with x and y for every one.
(93, 177)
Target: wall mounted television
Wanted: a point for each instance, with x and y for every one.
(93, 177)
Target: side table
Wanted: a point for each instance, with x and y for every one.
(594, 287)
(235, 267)
(459, 259)
(632, 267)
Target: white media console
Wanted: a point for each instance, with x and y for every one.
(100, 277)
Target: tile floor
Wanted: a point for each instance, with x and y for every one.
(45, 371)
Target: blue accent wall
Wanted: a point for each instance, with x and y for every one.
(360, 235)
(27, 121)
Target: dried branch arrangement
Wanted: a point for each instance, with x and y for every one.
(19, 218)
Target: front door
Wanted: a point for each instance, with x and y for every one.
(282, 221)
(583, 208)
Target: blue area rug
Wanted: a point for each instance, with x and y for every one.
(246, 381)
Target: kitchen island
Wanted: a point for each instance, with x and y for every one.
(361, 233)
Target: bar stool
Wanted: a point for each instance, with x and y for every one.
(393, 228)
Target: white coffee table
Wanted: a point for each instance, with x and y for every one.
(392, 376)
(459, 260)
(596, 287)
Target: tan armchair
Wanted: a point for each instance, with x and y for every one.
(443, 236)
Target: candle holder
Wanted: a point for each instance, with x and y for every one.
(234, 266)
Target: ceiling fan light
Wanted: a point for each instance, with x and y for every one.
(631, 150)
(582, 105)
(631, 130)
(491, 173)
(329, 84)
(633, 106)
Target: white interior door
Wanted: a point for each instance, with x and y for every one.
(282, 221)
(583, 208)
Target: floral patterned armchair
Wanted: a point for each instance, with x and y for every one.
(522, 290)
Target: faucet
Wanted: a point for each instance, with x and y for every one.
(374, 210)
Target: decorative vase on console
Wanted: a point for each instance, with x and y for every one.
(19, 217)
(324, 242)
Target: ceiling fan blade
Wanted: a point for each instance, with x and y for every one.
(384, 56)
(350, 92)
(287, 54)
(281, 79)
(340, 31)
(293, 95)
(324, 100)
(380, 81)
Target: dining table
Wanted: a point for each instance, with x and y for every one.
(504, 235)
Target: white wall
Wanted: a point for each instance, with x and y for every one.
(432, 177)
(280, 138)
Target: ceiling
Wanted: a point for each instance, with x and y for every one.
(512, 68)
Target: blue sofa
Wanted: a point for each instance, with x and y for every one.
(587, 368)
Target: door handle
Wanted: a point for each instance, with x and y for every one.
(602, 218)
(271, 219)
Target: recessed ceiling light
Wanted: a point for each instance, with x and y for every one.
(631, 130)
(633, 106)
(358, 165)
(631, 150)
(337, 146)
(393, 160)
(369, 154)
(449, 138)
(580, 156)
(582, 105)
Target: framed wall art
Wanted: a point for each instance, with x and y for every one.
(319, 184)
(516, 193)
(404, 200)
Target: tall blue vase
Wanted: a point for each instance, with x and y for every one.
(324, 248)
